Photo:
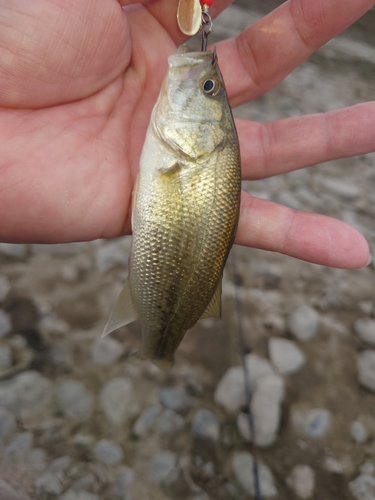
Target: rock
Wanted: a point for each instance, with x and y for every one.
(363, 487)
(285, 355)
(82, 495)
(51, 325)
(365, 329)
(243, 465)
(303, 322)
(302, 481)
(169, 422)
(20, 445)
(105, 351)
(4, 287)
(230, 392)
(75, 401)
(7, 424)
(367, 467)
(205, 425)
(163, 468)
(313, 423)
(49, 483)
(145, 421)
(123, 482)
(175, 398)
(266, 409)
(366, 306)
(332, 465)
(15, 250)
(60, 464)
(358, 431)
(366, 369)
(26, 391)
(112, 254)
(5, 356)
(117, 400)
(5, 323)
(108, 452)
(37, 458)
(8, 493)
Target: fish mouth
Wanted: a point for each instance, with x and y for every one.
(183, 57)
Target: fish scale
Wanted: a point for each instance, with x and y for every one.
(186, 205)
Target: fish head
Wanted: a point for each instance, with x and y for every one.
(192, 111)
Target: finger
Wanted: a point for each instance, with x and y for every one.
(306, 236)
(285, 145)
(55, 52)
(270, 49)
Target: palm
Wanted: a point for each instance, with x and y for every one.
(77, 87)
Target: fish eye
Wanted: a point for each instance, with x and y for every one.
(210, 86)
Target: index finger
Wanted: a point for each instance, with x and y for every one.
(267, 51)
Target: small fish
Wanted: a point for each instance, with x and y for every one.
(185, 208)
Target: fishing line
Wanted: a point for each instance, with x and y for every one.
(248, 392)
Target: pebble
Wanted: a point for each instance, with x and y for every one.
(332, 465)
(163, 468)
(20, 445)
(4, 287)
(366, 369)
(363, 487)
(123, 482)
(366, 306)
(37, 458)
(5, 323)
(105, 351)
(49, 483)
(365, 329)
(15, 250)
(230, 391)
(60, 464)
(7, 424)
(243, 464)
(344, 189)
(303, 322)
(112, 254)
(108, 452)
(285, 355)
(28, 390)
(358, 431)
(7, 492)
(51, 325)
(82, 495)
(117, 400)
(175, 398)
(169, 422)
(313, 423)
(205, 425)
(367, 467)
(302, 481)
(5, 356)
(145, 421)
(75, 401)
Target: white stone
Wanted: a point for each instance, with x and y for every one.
(363, 487)
(5, 323)
(74, 399)
(49, 483)
(332, 465)
(366, 369)
(106, 351)
(108, 452)
(313, 423)
(53, 326)
(243, 464)
(123, 482)
(175, 398)
(365, 329)
(358, 431)
(285, 355)
(303, 322)
(163, 468)
(302, 481)
(5, 356)
(205, 425)
(367, 467)
(230, 392)
(116, 400)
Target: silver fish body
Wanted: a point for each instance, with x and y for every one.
(185, 208)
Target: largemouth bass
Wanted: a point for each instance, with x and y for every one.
(185, 208)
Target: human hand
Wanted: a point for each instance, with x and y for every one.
(79, 80)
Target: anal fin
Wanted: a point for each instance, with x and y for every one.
(214, 307)
(124, 311)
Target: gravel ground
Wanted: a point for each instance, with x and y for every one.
(81, 419)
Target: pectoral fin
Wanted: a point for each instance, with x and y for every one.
(214, 307)
(124, 311)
